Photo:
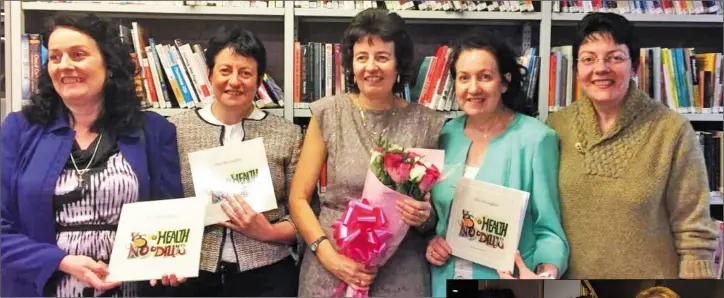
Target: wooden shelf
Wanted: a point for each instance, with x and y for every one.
(159, 11)
(705, 117)
(170, 112)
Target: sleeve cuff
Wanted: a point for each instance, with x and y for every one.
(696, 269)
(56, 255)
(551, 256)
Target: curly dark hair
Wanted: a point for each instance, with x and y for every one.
(121, 108)
(613, 25)
(479, 38)
(242, 42)
(389, 27)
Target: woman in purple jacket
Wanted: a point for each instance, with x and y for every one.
(80, 150)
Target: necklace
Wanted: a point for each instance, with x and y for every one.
(363, 115)
(80, 173)
(497, 126)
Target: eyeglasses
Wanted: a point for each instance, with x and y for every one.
(588, 59)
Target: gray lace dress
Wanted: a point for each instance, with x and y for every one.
(348, 144)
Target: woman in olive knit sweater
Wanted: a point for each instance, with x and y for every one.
(633, 185)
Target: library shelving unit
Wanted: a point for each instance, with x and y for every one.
(5, 44)
(292, 19)
(20, 10)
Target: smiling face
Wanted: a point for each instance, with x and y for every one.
(604, 69)
(478, 83)
(374, 66)
(234, 79)
(75, 65)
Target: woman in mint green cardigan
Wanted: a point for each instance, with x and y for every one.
(495, 141)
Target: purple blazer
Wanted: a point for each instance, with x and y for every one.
(33, 158)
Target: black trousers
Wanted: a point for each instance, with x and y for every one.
(280, 279)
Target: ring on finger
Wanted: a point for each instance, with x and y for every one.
(421, 213)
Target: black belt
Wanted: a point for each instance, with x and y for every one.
(85, 228)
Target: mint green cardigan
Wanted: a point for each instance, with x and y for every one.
(524, 157)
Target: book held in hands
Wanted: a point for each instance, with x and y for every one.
(485, 223)
(239, 168)
(156, 238)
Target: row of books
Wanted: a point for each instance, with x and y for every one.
(639, 7)
(434, 85)
(318, 73)
(182, 68)
(168, 75)
(565, 6)
(512, 6)
(677, 77)
(238, 3)
(712, 145)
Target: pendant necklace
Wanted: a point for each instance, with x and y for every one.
(363, 115)
(79, 173)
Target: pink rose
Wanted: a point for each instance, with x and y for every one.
(392, 160)
(429, 179)
(412, 155)
(398, 170)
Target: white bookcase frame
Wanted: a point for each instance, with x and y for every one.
(290, 16)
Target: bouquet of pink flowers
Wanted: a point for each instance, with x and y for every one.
(371, 229)
(405, 171)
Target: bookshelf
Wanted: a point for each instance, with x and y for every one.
(416, 15)
(5, 52)
(704, 117)
(293, 18)
(156, 11)
(651, 18)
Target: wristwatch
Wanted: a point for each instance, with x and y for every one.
(316, 243)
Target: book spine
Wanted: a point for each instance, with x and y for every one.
(25, 70)
(181, 72)
(166, 63)
(159, 70)
(35, 62)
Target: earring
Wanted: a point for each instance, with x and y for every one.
(110, 74)
(398, 78)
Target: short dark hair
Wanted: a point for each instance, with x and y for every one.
(242, 42)
(612, 24)
(121, 108)
(480, 38)
(496, 293)
(389, 27)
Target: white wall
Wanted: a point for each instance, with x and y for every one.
(561, 288)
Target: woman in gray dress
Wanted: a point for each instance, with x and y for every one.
(377, 56)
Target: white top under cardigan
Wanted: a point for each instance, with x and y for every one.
(232, 133)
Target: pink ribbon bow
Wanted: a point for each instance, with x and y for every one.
(361, 235)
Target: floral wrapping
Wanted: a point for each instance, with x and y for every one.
(371, 229)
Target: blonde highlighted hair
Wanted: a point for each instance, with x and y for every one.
(657, 292)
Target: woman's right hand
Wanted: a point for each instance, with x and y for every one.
(438, 251)
(352, 273)
(91, 273)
